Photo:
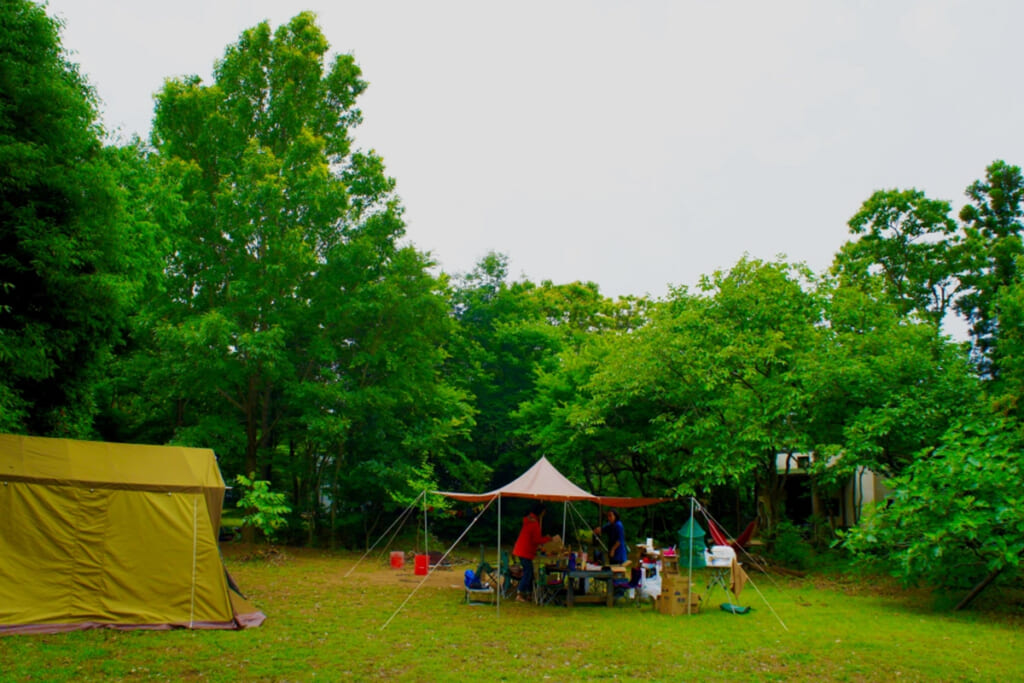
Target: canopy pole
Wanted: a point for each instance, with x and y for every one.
(689, 578)
(426, 542)
(500, 587)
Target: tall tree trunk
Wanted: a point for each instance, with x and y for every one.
(251, 452)
(334, 496)
(771, 499)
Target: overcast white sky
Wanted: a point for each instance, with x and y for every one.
(634, 144)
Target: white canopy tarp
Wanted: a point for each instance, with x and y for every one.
(544, 482)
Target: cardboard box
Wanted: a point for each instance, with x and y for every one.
(676, 582)
(674, 603)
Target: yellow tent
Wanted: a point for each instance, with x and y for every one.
(112, 535)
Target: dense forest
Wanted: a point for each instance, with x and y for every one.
(241, 281)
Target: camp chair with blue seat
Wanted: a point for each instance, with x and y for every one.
(481, 584)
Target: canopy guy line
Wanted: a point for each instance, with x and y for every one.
(753, 561)
(430, 572)
(709, 518)
(400, 521)
(597, 539)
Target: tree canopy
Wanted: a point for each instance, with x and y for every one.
(69, 268)
(243, 280)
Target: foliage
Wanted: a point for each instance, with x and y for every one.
(882, 386)
(993, 227)
(708, 391)
(789, 547)
(956, 514)
(908, 241)
(509, 335)
(263, 509)
(297, 334)
(1008, 388)
(68, 267)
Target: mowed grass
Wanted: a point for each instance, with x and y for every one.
(322, 625)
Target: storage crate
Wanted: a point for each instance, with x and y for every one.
(674, 601)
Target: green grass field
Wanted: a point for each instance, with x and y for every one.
(322, 625)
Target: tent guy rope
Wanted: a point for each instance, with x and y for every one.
(400, 522)
(430, 572)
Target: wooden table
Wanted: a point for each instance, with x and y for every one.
(598, 575)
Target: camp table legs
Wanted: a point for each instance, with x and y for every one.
(606, 576)
(719, 577)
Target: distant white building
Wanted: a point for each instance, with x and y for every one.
(843, 510)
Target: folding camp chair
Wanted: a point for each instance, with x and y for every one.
(481, 584)
(549, 586)
(510, 575)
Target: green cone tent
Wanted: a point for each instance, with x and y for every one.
(692, 539)
(121, 536)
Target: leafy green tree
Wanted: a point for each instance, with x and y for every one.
(69, 272)
(750, 344)
(502, 338)
(510, 334)
(297, 333)
(956, 518)
(993, 224)
(909, 241)
(707, 393)
(1009, 348)
(881, 387)
(595, 446)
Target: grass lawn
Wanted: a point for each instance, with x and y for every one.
(322, 625)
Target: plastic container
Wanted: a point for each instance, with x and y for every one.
(721, 556)
(397, 559)
(420, 567)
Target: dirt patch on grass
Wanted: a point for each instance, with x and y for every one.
(373, 569)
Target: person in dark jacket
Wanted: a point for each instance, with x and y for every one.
(615, 537)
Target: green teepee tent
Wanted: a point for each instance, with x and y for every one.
(691, 544)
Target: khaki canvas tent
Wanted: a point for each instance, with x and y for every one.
(112, 535)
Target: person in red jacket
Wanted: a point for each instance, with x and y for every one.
(530, 538)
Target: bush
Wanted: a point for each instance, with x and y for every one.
(263, 509)
(789, 547)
